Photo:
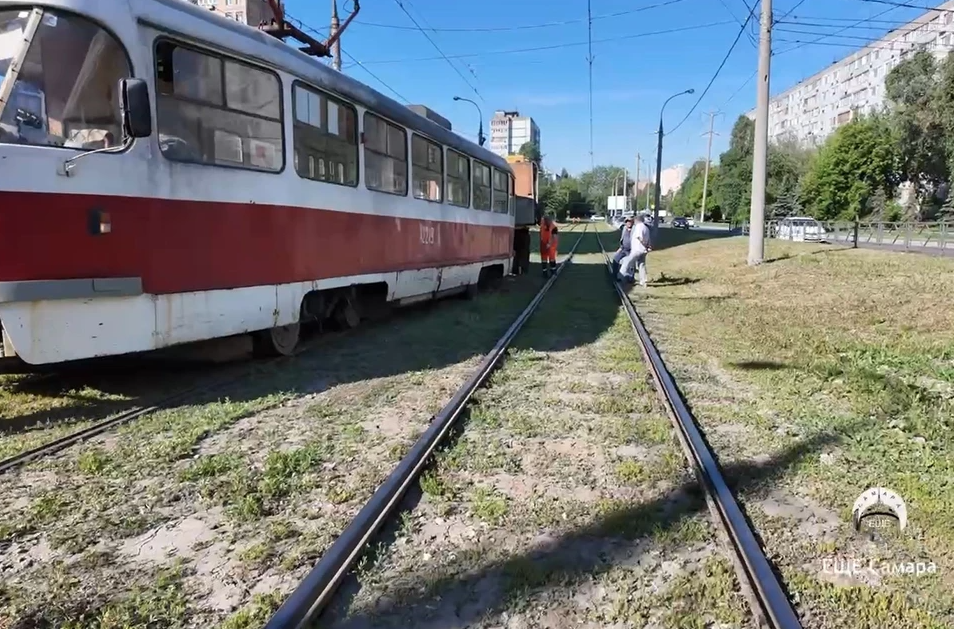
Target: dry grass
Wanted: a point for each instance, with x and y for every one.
(849, 353)
(565, 502)
(210, 513)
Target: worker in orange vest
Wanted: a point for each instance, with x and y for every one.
(549, 239)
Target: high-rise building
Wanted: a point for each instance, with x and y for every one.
(251, 12)
(509, 131)
(670, 179)
(812, 109)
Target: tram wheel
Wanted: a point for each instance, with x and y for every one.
(280, 341)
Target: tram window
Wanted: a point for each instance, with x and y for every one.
(326, 132)
(65, 94)
(213, 110)
(481, 186)
(501, 192)
(385, 156)
(428, 164)
(458, 178)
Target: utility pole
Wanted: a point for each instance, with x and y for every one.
(589, 58)
(760, 155)
(649, 179)
(336, 47)
(705, 179)
(636, 186)
(625, 194)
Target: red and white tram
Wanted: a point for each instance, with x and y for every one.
(169, 176)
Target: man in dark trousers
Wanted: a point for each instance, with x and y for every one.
(548, 245)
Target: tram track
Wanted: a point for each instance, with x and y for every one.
(316, 591)
(763, 588)
(179, 396)
(766, 596)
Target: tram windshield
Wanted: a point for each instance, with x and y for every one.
(65, 92)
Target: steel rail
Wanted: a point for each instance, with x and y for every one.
(105, 425)
(315, 591)
(774, 604)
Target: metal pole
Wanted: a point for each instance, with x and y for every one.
(625, 194)
(705, 180)
(589, 59)
(480, 130)
(336, 47)
(636, 186)
(657, 194)
(659, 159)
(649, 177)
(760, 154)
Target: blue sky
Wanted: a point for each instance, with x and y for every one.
(633, 71)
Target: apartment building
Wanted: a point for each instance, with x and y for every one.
(811, 110)
(252, 12)
(670, 179)
(509, 131)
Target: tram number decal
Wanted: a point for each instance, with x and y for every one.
(428, 235)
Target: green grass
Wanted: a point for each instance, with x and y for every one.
(856, 343)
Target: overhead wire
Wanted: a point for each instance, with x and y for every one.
(306, 27)
(841, 30)
(718, 70)
(520, 27)
(438, 48)
(512, 51)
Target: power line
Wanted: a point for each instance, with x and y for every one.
(856, 48)
(718, 70)
(841, 30)
(910, 6)
(438, 48)
(521, 27)
(554, 46)
(738, 20)
(374, 76)
(790, 11)
(306, 27)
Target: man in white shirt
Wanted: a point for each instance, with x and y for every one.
(639, 247)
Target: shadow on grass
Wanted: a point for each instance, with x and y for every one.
(669, 238)
(760, 365)
(462, 599)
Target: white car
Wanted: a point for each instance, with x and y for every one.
(801, 229)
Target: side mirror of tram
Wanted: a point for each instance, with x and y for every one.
(134, 108)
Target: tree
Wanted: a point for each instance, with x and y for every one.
(734, 188)
(857, 161)
(597, 184)
(531, 150)
(688, 199)
(917, 120)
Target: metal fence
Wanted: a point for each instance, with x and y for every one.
(937, 237)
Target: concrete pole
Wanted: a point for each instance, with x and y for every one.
(636, 186)
(649, 177)
(625, 194)
(760, 154)
(658, 195)
(336, 47)
(705, 179)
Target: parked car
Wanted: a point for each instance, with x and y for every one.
(801, 229)
(680, 222)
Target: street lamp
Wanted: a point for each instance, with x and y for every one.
(480, 132)
(659, 158)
